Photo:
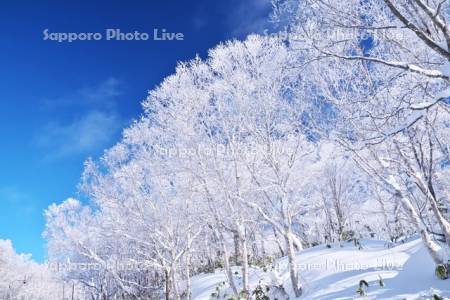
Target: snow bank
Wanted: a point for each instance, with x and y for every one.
(334, 273)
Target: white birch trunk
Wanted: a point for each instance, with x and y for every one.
(293, 272)
(226, 262)
(243, 239)
(188, 273)
(432, 247)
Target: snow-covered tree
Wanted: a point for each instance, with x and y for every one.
(21, 278)
(384, 65)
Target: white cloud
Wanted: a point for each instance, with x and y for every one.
(93, 125)
(88, 133)
(13, 196)
(250, 16)
(103, 94)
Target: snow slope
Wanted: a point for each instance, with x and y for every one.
(407, 272)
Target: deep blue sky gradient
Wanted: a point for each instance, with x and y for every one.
(63, 102)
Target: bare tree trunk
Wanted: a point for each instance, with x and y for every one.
(292, 265)
(168, 284)
(297, 243)
(254, 247)
(263, 247)
(432, 247)
(277, 240)
(188, 274)
(243, 240)
(237, 251)
(443, 223)
(226, 262)
(174, 282)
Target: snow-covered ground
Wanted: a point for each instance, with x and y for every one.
(335, 273)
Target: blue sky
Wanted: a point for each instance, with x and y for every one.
(61, 103)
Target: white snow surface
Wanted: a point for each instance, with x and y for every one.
(334, 273)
